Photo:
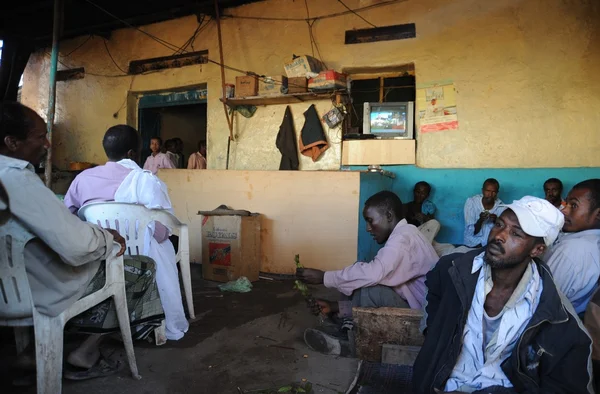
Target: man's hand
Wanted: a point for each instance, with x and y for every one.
(118, 239)
(492, 217)
(310, 275)
(483, 216)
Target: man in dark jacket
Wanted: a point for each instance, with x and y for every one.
(495, 321)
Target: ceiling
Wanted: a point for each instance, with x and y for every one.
(32, 19)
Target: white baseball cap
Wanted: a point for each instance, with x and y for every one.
(538, 218)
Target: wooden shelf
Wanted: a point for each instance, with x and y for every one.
(279, 99)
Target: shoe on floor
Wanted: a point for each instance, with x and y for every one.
(324, 343)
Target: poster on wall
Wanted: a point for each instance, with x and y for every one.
(436, 102)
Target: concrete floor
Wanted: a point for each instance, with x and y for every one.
(252, 341)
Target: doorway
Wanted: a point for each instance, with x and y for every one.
(168, 115)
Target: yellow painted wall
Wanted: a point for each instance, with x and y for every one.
(526, 74)
(314, 214)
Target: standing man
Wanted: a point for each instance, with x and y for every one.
(574, 259)
(553, 189)
(197, 160)
(481, 212)
(495, 321)
(157, 159)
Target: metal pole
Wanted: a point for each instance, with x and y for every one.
(57, 29)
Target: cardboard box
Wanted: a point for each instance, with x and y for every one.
(297, 85)
(328, 80)
(269, 86)
(302, 65)
(231, 247)
(246, 86)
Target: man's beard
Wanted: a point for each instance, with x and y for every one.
(502, 262)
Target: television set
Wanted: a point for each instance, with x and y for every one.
(389, 120)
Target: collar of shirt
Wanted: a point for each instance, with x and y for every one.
(6, 161)
(565, 236)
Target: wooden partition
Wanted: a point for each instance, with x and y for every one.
(311, 213)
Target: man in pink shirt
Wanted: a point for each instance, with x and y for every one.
(122, 180)
(157, 159)
(197, 160)
(394, 278)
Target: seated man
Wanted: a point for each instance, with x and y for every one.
(481, 212)
(395, 277)
(553, 189)
(122, 180)
(157, 159)
(66, 261)
(495, 321)
(421, 209)
(574, 259)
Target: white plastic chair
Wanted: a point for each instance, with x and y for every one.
(131, 220)
(17, 308)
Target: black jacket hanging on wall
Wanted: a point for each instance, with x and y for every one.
(286, 143)
(312, 137)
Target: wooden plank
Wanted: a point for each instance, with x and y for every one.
(277, 99)
(164, 62)
(385, 33)
(378, 326)
(378, 152)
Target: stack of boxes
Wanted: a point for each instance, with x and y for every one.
(303, 74)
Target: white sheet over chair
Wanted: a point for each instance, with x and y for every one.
(141, 187)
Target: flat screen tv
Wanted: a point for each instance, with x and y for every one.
(389, 120)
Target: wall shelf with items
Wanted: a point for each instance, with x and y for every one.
(282, 99)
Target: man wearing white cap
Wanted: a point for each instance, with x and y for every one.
(495, 321)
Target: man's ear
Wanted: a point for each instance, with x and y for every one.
(596, 214)
(11, 143)
(131, 154)
(538, 250)
(389, 215)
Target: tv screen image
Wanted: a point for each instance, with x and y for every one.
(385, 120)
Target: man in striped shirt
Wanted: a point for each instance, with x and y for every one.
(481, 212)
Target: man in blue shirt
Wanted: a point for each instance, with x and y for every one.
(574, 259)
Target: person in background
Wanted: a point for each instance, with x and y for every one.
(481, 212)
(157, 159)
(179, 152)
(495, 322)
(553, 189)
(171, 147)
(122, 180)
(67, 260)
(197, 160)
(421, 209)
(574, 259)
(394, 278)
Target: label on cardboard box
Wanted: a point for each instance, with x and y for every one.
(328, 80)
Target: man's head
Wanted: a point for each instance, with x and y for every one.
(553, 189)
(202, 147)
(178, 145)
(122, 142)
(171, 146)
(22, 133)
(433, 101)
(490, 190)
(523, 231)
(382, 213)
(582, 211)
(155, 144)
(421, 191)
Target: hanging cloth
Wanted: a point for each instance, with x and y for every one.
(313, 141)
(286, 142)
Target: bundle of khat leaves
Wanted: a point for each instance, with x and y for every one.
(304, 290)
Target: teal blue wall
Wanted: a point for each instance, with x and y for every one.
(451, 187)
